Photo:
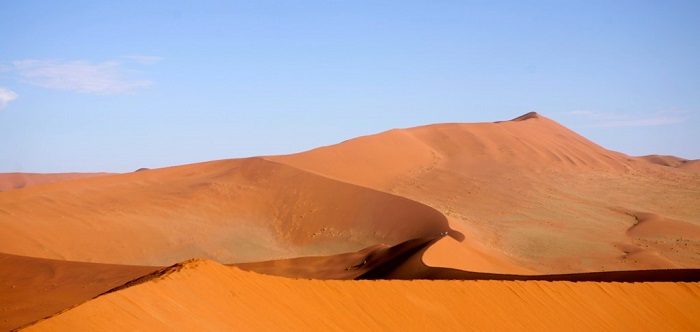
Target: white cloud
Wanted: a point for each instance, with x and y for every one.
(104, 78)
(6, 96)
(600, 119)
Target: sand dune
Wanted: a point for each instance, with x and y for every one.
(37, 287)
(528, 190)
(384, 262)
(204, 295)
(670, 161)
(525, 200)
(232, 211)
(32, 288)
(530, 140)
(9, 181)
(521, 196)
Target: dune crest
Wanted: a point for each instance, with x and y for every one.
(527, 116)
(526, 202)
(201, 294)
(529, 191)
(528, 195)
(232, 210)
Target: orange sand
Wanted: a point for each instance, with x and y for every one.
(204, 295)
(9, 181)
(232, 211)
(526, 196)
(522, 195)
(529, 191)
(31, 288)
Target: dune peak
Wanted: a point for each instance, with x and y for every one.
(527, 116)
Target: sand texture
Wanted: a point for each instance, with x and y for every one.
(520, 224)
(204, 295)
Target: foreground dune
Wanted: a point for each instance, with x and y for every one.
(204, 295)
(54, 285)
(32, 288)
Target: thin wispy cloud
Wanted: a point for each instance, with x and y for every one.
(104, 78)
(6, 96)
(600, 119)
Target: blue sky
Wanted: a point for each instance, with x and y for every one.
(115, 86)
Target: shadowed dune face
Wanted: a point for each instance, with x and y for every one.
(36, 288)
(232, 211)
(32, 288)
(205, 295)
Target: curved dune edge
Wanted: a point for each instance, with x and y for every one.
(529, 194)
(231, 211)
(56, 285)
(405, 261)
(521, 199)
(205, 295)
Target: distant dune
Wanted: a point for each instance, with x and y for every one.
(9, 181)
(524, 200)
(204, 295)
(672, 161)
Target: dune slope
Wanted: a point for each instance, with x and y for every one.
(9, 181)
(529, 190)
(204, 295)
(232, 211)
(520, 196)
(32, 288)
(524, 200)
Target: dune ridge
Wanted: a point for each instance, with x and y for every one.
(266, 210)
(528, 196)
(405, 261)
(56, 285)
(532, 191)
(201, 294)
(524, 202)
